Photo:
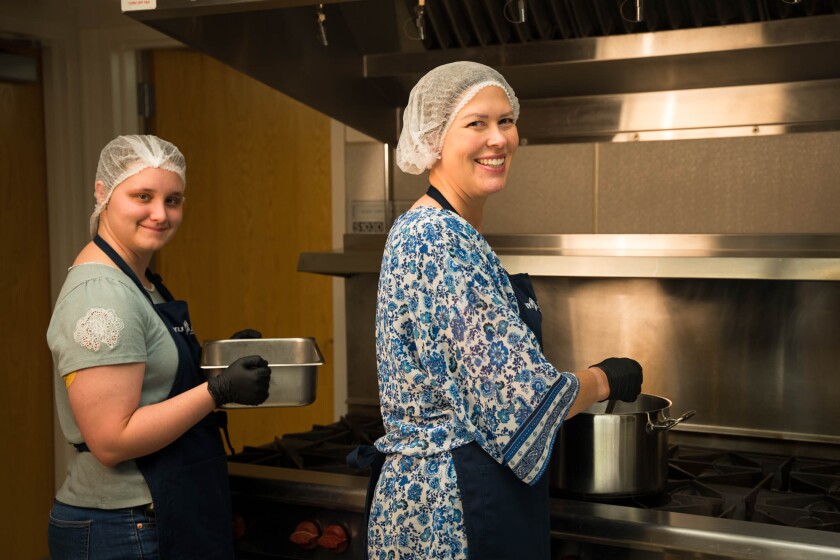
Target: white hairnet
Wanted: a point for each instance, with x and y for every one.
(432, 106)
(125, 156)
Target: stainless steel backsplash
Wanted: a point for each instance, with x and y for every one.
(747, 355)
(752, 357)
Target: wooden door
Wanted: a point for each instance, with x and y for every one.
(26, 403)
(258, 193)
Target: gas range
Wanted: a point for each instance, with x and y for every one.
(295, 497)
(716, 504)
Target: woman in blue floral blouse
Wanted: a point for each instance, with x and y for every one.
(470, 404)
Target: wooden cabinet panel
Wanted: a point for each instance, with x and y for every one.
(258, 193)
(26, 404)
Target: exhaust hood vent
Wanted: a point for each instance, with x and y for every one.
(583, 69)
(473, 23)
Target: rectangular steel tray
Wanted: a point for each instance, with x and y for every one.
(293, 361)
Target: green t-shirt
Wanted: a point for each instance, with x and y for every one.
(102, 318)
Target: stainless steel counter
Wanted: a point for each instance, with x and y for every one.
(688, 536)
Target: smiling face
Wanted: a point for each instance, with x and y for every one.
(479, 146)
(144, 211)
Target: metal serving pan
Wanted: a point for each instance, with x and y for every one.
(294, 364)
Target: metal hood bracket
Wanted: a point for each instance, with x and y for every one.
(581, 72)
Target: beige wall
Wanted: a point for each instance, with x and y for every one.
(770, 184)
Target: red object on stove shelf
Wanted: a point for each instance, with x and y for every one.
(239, 526)
(306, 535)
(334, 538)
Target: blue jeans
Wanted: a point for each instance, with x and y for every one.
(77, 533)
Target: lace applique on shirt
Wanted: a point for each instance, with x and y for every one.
(97, 326)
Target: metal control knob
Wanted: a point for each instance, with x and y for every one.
(334, 538)
(306, 535)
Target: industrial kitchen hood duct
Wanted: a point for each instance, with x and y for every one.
(583, 72)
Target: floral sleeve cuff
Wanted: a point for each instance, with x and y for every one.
(529, 450)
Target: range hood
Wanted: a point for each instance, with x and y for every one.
(581, 69)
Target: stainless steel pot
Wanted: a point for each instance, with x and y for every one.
(624, 453)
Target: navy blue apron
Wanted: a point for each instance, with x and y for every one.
(188, 478)
(504, 517)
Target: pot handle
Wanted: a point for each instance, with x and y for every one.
(668, 423)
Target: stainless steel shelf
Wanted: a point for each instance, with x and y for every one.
(756, 257)
(340, 263)
(676, 267)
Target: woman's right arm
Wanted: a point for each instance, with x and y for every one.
(105, 402)
(480, 355)
(593, 388)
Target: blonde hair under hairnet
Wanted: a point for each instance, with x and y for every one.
(125, 156)
(432, 106)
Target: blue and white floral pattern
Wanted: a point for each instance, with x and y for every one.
(456, 364)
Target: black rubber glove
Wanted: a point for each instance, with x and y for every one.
(246, 333)
(245, 381)
(624, 376)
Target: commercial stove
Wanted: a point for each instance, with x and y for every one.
(718, 503)
(296, 497)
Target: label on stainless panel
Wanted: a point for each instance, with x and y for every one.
(135, 5)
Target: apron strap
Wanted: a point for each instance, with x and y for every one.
(438, 197)
(122, 265)
(220, 419)
(361, 458)
(155, 279)
(157, 282)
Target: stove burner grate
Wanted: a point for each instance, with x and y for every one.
(791, 491)
(323, 449)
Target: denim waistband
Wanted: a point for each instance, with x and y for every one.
(145, 509)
